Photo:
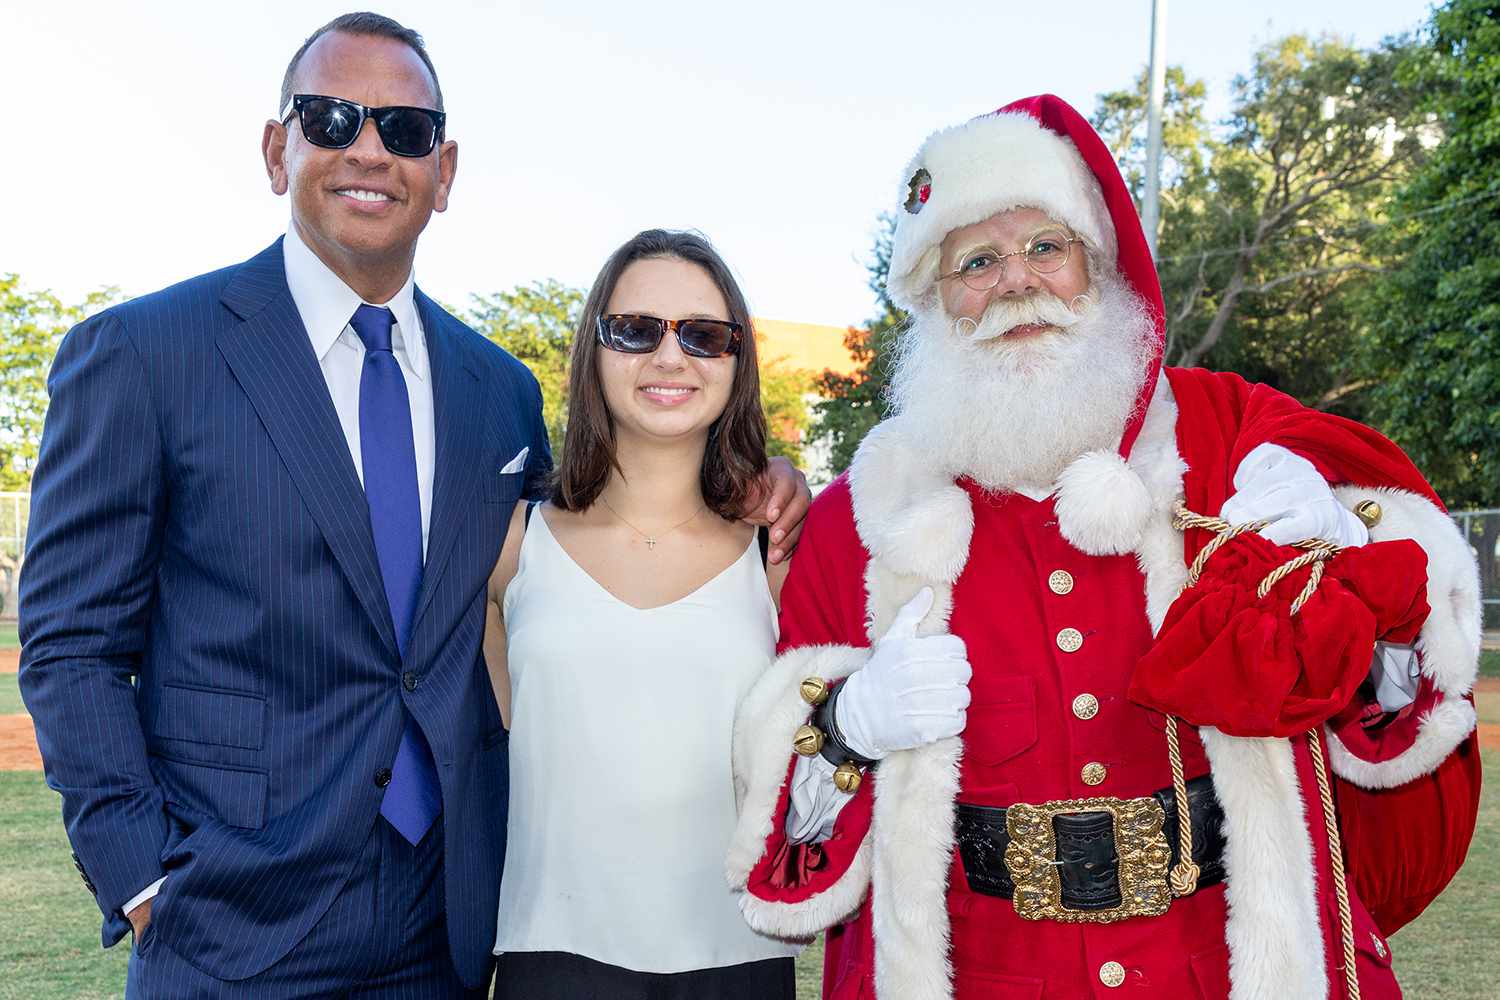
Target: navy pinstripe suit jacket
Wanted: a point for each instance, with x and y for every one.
(207, 650)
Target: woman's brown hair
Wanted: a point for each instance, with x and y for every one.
(736, 453)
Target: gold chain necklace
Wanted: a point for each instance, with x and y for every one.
(651, 540)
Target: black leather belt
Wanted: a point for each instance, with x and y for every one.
(1087, 856)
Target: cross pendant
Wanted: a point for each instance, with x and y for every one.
(650, 543)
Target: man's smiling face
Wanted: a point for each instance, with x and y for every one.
(362, 207)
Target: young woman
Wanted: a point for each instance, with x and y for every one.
(628, 614)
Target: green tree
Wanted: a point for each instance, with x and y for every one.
(783, 398)
(535, 323)
(32, 324)
(1120, 118)
(1433, 352)
(852, 404)
(1264, 252)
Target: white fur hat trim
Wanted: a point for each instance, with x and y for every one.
(975, 170)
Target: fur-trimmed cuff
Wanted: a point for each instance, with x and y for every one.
(767, 718)
(1448, 644)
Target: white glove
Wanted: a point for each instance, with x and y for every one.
(1276, 485)
(914, 690)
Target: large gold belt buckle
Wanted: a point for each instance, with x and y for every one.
(1140, 844)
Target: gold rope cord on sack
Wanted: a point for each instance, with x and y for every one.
(1185, 874)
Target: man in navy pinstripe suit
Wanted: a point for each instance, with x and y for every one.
(266, 505)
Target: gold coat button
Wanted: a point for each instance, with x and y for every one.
(1085, 706)
(1112, 974)
(1093, 773)
(1070, 640)
(1061, 582)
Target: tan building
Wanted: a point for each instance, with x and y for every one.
(811, 348)
(808, 347)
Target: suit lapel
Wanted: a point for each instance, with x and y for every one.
(457, 427)
(272, 359)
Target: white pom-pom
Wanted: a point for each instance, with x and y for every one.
(1102, 504)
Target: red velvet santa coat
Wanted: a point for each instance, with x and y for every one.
(889, 884)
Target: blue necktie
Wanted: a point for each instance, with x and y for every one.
(413, 798)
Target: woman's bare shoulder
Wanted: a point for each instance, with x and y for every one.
(510, 552)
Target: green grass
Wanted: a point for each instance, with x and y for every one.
(1489, 663)
(810, 971)
(10, 694)
(8, 637)
(50, 948)
(1446, 953)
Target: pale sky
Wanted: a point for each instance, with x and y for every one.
(778, 129)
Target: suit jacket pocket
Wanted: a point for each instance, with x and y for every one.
(504, 487)
(209, 715)
(236, 796)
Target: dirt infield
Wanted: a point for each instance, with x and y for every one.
(10, 661)
(18, 744)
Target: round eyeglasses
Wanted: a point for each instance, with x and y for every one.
(982, 268)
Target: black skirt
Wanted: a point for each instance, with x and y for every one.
(556, 975)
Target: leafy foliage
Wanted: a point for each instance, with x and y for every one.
(1120, 117)
(783, 397)
(32, 324)
(535, 323)
(1433, 353)
(852, 404)
(1264, 243)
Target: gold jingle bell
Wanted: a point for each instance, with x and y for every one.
(808, 741)
(814, 691)
(846, 778)
(1369, 512)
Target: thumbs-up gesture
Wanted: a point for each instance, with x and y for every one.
(913, 691)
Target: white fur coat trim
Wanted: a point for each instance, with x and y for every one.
(913, 820)
(1274, 932)
(1273, 906)
(1448, 645)
(764, 724)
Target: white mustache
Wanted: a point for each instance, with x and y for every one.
(1039, 308)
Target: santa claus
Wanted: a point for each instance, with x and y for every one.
(1098, 678)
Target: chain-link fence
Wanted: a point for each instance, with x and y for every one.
(1482, 529)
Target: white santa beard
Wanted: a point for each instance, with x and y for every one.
(1012, 415)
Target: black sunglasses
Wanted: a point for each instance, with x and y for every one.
(334, 123)
(701, 338)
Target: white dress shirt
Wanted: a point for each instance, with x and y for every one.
(326, 305)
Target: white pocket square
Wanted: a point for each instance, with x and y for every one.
(516, 464)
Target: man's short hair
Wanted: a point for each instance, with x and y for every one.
(370, 25)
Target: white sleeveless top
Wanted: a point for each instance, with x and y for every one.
(621, 800)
